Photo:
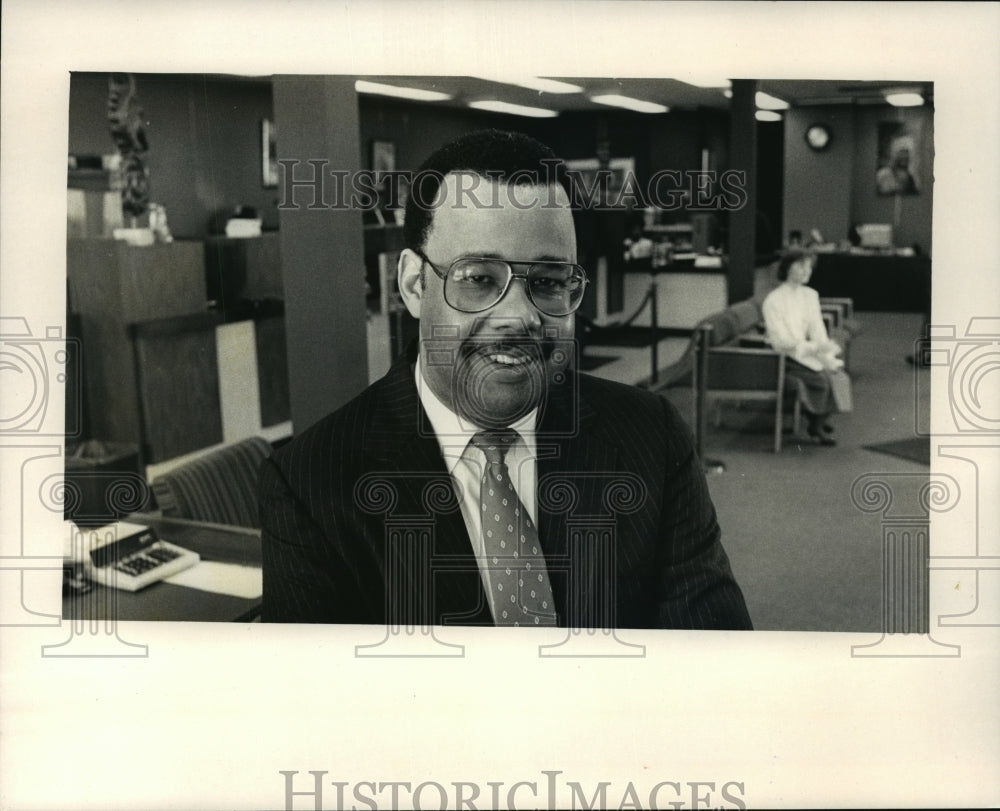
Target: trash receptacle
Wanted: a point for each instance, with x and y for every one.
(104, 482)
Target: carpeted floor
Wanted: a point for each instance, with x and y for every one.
(590, 362)
(807, 557)
(916, 449)
(631, 336)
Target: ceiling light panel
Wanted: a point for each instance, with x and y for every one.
(414, 93)
(706, 82)
(765, 101)
(904, 99)
(512, 109)
(536, 83)
(638, 105)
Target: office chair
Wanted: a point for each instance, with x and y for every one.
(175, 420)
(219, 487)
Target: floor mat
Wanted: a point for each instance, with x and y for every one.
(916, 449)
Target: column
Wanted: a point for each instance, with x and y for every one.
(322, 247)
(743, 157)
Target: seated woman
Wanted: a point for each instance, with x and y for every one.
(795, 326)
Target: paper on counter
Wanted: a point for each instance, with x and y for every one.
(708, 261)
(221, 578)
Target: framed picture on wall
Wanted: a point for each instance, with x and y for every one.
(898, 156)
(268, 155)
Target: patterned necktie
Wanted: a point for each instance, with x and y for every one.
(522, 593)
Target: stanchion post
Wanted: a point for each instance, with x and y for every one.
(703, 341)
(655, 346)
(702, 334)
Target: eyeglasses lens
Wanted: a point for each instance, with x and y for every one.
(473, 285)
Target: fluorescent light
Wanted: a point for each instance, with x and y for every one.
(640, 106)
(904, 99)
(536, 83)
(513, 109)
(706, 82)
(767, 115)
(414, 93)
(765, 101)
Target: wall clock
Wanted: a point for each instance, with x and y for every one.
(818, 136)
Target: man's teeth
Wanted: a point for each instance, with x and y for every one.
(509, 360)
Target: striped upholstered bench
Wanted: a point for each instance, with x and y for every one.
(219, 487)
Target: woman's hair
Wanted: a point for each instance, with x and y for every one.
(789, 259)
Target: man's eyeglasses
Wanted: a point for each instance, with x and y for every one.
(473, 284)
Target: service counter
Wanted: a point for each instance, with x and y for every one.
(688, 290)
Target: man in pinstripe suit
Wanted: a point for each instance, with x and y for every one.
(373, 514)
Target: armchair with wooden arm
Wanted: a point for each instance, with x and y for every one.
(739, 374)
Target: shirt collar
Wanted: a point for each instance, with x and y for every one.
(454, 434)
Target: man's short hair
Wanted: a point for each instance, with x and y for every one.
(498, 155)
(790, 258)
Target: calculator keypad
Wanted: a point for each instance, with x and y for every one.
(141, 562)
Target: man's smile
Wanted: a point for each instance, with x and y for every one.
(509, 360)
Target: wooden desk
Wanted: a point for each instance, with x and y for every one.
(242, 270)
(882, 282)
(165, 601)
(111, 285)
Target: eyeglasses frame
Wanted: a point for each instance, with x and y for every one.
(443, 276)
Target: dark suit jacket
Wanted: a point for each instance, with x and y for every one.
(361, 523)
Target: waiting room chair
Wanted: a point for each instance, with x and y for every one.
(740, 365)
(741, 374)
(841, 326)
(219, 487)
(737, 365)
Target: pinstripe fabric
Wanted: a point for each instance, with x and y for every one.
(362, 499)
(220, 487)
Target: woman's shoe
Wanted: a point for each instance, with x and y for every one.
(820, 438)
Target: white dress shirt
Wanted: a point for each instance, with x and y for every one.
(465, 462)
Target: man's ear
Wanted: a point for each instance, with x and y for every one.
(411, 288)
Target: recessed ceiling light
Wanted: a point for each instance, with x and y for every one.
(767, 115)
(512, 109)
(638, 105)
(536, 83)
(904, 99)
(765, 101)
(414, 93)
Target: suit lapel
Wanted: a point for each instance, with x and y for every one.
(408, 452)
(574, 468)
